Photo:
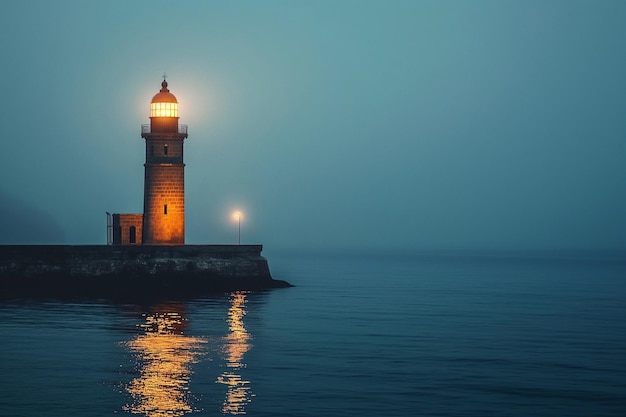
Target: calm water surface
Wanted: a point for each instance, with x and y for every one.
(420, 335)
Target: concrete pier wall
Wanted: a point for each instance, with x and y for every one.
(116, 271)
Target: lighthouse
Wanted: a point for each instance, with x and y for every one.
(164, 180)
(163, 218)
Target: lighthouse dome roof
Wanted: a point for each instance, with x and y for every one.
(164, 96)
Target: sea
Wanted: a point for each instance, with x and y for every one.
(424, 333)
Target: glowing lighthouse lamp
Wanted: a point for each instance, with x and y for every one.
(163, 109)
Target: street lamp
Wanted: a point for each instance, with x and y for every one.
(237, 215)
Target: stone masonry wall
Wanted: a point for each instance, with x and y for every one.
(131, 269)
(164, 205)
(122, 224)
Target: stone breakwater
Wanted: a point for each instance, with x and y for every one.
(130, 271)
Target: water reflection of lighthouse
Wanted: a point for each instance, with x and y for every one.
(166, 355)
(236, 344)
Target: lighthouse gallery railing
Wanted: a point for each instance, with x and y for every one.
(146, 129)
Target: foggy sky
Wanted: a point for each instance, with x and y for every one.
(341, 124)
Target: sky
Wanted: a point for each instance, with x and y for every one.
(331, 124)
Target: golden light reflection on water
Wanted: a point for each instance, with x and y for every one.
(236, 344)
(165, 355)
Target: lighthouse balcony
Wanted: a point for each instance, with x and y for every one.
(145, 129)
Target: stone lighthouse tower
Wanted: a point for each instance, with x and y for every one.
(164, 184)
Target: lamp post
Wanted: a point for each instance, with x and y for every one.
(239, 228)
(237, 214)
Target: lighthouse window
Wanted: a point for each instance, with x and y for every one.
(165, 150)
(165, 209)
(164, 110)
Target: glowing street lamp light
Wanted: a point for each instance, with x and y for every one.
(237, 216)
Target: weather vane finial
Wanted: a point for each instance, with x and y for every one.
(164, 76)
